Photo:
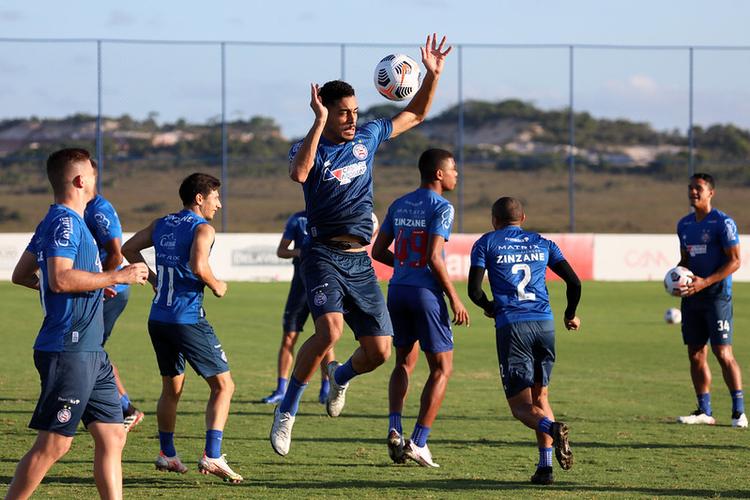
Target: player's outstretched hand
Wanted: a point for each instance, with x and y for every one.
(573, 323)
(221, 289)
(460, 314)
(433, 55)
(316, 103)
(133, 274)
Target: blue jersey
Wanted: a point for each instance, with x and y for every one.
(338, 189)
(73, 322)
(179, 292)
(516, 262)
(296, 230)
(704, 242)
(411, 220)
(104, 223)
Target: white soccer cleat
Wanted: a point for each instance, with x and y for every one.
(697, 418)
(219, 468)
(281, 432)
(396, 447)
(740, 422)
(133, 419)
(421, 455)
(337, 393)
(169, 464)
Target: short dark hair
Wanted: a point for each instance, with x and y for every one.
(334, 90)
(431, 161)
(195, 184)
(507, 210)
(60, 161)
(706, 177)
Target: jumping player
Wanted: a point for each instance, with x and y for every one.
(177, 325)
(421, 223)
(516, 261)
(710, 248)
(334, 165)
(62, 262)
(104, 223)
(295, 311)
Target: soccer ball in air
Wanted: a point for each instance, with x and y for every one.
(673, 316)
(677, 277)
(397, 77)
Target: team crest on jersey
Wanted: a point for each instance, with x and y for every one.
(320, 298)
(345, 174)
(63, 416)
(359, 151)
(102, 222)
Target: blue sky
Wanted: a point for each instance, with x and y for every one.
(184, 80)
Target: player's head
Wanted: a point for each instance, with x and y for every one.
(701, 190)
(338, 97)
(70, 170)
(201, 192)
(507, 211)
(438, 165)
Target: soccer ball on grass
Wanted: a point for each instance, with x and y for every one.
(673, 316)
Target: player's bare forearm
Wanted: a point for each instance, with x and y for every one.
(114, 254)
(284, 252)
(437, 265)
(418, 108)
(304, 159)
(380, 251)
(25, 272)
(725, 270)
(63, 278)
(132, 249)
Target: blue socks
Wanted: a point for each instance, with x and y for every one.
(213, 443)
(125, 402)
(166, 442)
(545, 457)
(545, 426)
(394, 422)
(290, 404)
(420, 435)
(281, 384)
(738, 401)
(344, 373)
(325, 387)
(704, 403)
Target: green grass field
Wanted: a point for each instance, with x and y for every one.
(619, 383)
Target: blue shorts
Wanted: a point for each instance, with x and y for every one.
(197, 343)
(345, 282)
(113, 307)
(76, 386)
(419, 314)
(705, 319)
(296, 310)
(526, 352)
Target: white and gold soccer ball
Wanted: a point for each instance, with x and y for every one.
(397, 77)
(673, 316)
(676, 278)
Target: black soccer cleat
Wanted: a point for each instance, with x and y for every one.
(563, 453)
(543, 475)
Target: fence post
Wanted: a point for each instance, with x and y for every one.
(99, 140)
(224, 159)
(571, 146)
(691, 137)
(460, 140)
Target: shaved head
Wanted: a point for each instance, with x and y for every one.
(507, 211)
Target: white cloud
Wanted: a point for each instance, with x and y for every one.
(635, 85)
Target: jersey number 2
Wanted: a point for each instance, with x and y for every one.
(521, 287)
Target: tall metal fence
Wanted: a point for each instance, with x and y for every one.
(671, 87)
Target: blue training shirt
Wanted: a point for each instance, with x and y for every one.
(73, 322)
(296, 230)
(104, 223)
(411, 220)
(179, 292)
(516, 262)
(338, 190)
(705, 242)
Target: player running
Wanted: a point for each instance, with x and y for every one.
(710, 248)
(295, 311)
(334, 165)
(177, 325)
(77, 383)
(516, 261)
(421, 224)
(104, 223)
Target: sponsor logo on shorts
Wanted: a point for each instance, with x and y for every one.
(63, 416)
(359, 151)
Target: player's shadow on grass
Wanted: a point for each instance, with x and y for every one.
(145, 482)
(638, 446)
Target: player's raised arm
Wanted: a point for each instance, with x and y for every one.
(572, 293)
(303, 160)
(433, 59)
(136, 244)
(476, 294)
(199, 251)
(25, 272)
